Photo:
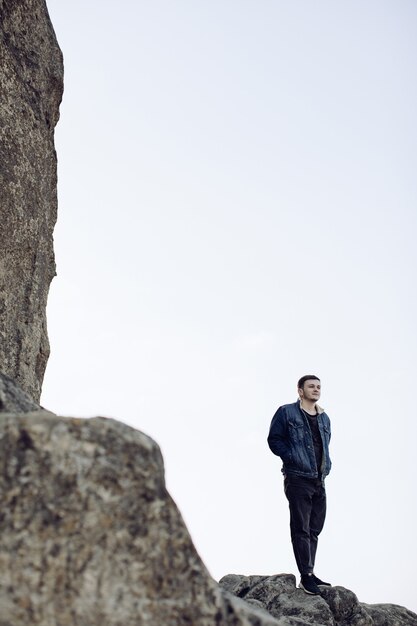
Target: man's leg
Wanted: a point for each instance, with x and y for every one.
(299, 492)
(317, 517)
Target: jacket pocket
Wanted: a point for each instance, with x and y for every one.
(297, 432)
(297, 446)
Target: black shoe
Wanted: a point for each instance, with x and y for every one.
(309, 585)
(320, 582)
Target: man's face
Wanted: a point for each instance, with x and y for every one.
(311, 390)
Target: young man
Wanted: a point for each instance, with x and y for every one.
(300, 435)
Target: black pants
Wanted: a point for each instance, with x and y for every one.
(307, 500)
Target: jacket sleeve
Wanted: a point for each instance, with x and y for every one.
(278, 439)
(329, 427)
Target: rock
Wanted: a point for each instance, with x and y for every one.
(390, 615)
(89, 535)
(13, 399)
(279, 596)
(31, 83)
(336, 606)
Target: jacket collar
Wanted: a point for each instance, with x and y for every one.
(319, 408)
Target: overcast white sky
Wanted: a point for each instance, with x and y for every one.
(237, 207)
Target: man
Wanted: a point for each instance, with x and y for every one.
(300, 435)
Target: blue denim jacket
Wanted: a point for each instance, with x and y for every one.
(290, 438)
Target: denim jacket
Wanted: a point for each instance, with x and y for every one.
(290, 438)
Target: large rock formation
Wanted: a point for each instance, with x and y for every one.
(89, 535)
(31, 83)
(336, 606)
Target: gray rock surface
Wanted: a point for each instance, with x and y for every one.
(89, 535)
(31, 83)
(13, 399)
(336, 606)
(390, 615)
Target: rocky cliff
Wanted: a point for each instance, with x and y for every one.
(89, 536)
(31, 83)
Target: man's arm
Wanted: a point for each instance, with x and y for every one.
(278, 435)
(329, 427)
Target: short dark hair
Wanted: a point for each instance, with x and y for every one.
(303, 379)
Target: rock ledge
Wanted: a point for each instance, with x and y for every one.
(336, 606)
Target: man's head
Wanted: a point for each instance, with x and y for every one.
(309, 388)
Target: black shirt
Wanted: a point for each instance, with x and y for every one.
(317, 442)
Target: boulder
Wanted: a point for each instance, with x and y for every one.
(31, 84)
(89, 535)
(336, 606)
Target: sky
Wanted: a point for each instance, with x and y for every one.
(237, 208)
